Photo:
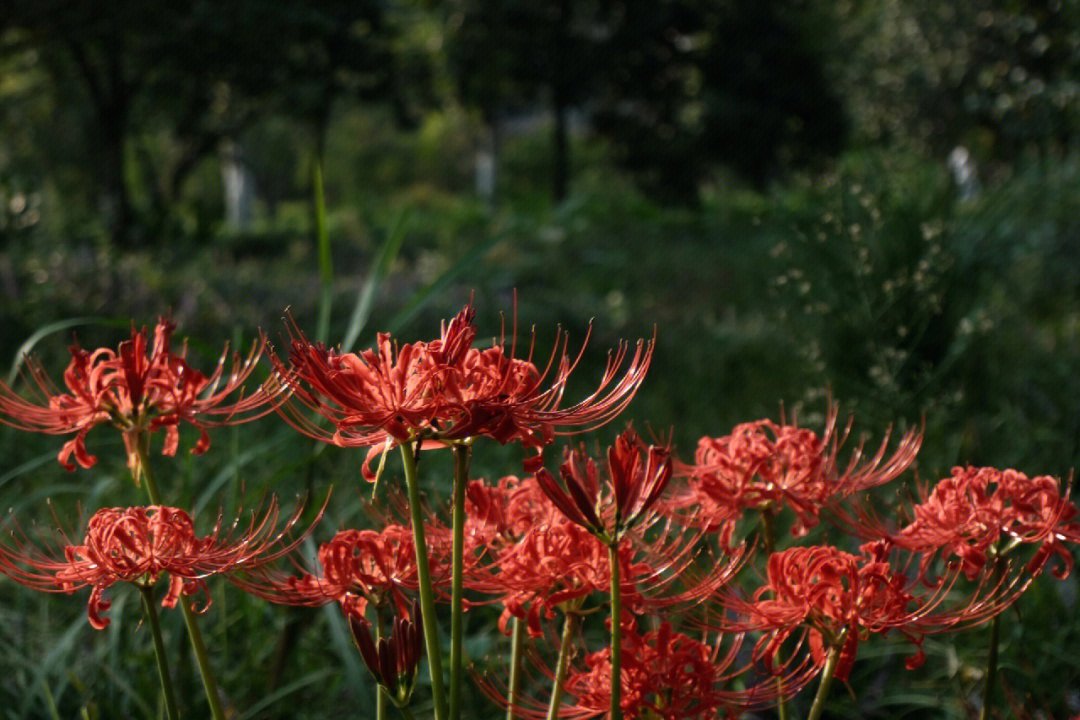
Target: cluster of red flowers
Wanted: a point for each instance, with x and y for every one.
(638, 532)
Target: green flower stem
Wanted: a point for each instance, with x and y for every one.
(562, 665)
(995, 634)
(423, 571)
(159, 652)
(991, 668)
(142, 469)
(462, 456)
(380, 692)
(404, 710)
(768, 541)
(517, 646)
(616, 633)
(831, 661)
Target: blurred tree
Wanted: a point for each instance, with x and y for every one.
(691, 84)
(999, 77)
(194, 73)
(505, 54)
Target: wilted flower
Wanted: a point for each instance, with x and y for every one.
(135, 392)
(446, 390)
(141, 544)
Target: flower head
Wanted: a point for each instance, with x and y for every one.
(445, 390)
(977, 512)
(764, 466)
(393, 659)
(636, 477)
(358, 567)
(136, 389)
(139, 545)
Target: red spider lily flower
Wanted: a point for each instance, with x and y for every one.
(635, 483)
(135, 392)
(976, 513)
(446, 390)
(139, 545)
(839, 599)
(665, 675)
(393, 659)
(536, 561)
(358, 567)
(765, 466)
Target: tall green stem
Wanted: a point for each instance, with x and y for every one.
(462, 455)
(616, 632)
(992, 658)
(517, 647)
(159, 652)
(142, 469)
(423, 571)
(991, 668)
(380, 693)
(562, 665)
(826, 678)
(768, 541)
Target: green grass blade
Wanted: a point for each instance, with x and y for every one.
(326, 263)
(49, 329)
(387, 253)
(466, 263)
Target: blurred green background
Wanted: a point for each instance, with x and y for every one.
(871, 200)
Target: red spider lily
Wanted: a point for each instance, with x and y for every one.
(446, 390)
(393, 659)
(358, 567)
(538, 561)
(635, 485)
(764, 466)
(665, 675)
(139, 545)
(972, 512)
(135, 392)
(839, 599)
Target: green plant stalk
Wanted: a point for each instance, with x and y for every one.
(831, 661)
(991, 668)
(159, 652)
(562, 665)
(202, 658)
(517, 646)
(768, 530)
(322, 241)
(616, 633)
(423, 571)
(995, 634)
(380, 693)
(462, 456)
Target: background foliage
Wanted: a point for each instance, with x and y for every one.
(764, 184)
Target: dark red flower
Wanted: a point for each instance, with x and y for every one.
(141, 544)
(446, 390)
(765, 466)
(135, 392)
(392, 659)
(636, 477)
